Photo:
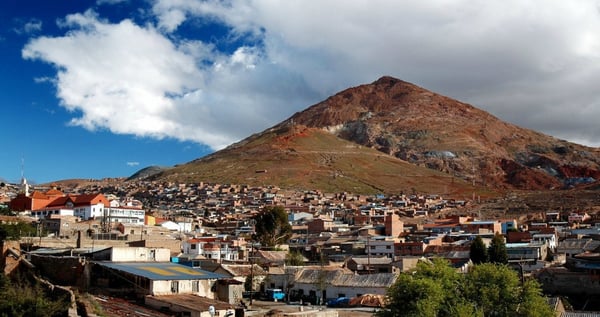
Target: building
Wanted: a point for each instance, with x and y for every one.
(393, 225)
(36, 200)
(125, 214)
(378, 247)
(491, 226)
(211, 248)
(153, 278)
(316, 285)
(89, 206)
(526, 252)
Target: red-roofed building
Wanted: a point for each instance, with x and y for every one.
(35, 200)
(90, 206)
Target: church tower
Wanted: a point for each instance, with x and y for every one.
(24, 185)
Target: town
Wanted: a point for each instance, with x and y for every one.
(188, 249)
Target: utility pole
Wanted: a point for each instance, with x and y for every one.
(251, 259)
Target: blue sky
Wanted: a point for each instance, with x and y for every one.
(94, 89)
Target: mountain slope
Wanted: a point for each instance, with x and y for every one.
(428, 129)
(297, 157)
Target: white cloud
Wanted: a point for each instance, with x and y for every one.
(532, 63)
(29, 27)
(133, 164)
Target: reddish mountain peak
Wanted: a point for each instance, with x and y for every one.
(429, 129)
(388, 98)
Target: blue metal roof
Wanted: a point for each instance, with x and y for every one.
(161, 270)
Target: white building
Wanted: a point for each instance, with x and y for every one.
(211, 248)
(89, 206)
(132, 215)
(340, 283)
(380, 248)
(548, 238)
(133, 254)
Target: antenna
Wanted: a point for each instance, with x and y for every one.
(22, 167)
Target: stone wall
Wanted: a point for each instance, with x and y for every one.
(64, 270)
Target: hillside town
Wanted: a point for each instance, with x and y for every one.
(168, 244)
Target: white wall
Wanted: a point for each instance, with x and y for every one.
(131, 254)
(163, 287)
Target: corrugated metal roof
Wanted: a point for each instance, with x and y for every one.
(161, 270)
(341, 278)
(580, 314)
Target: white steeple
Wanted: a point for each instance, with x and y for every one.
(24, 185)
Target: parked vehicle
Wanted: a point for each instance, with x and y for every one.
(339, 302)
(274, 294)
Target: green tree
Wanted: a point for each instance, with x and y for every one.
(497, 250)
(435, 289)
(294, 258)
(15, 231)
(532, 302)
(478, 251)
(272, 227)
(494, 289)
(25, 299)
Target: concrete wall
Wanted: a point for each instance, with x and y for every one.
(62, 270)
(184, 287)
(133, 254)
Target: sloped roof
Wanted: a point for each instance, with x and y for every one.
(342, 278)
(193, 302)
(272, 256)
(86, 199)
(60, 201)
(372, 260)
(584, 244)
(243, 269)
(161, 270)
(54, 192)
(580, 314)
(39, 195)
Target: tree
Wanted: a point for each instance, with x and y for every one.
(272, 227)
(494, 288)
(24, 298)
(478, 251)
(532, 302)
(436, 289)
(294, 258)
(497, 250)
(433, 289)
(15, 231)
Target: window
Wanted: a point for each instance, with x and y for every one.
(388, 247)
(193, 247)
(195, 286)
(341, 295)
(174, 286)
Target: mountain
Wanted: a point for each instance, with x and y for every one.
(147, 172)
(394, 136)
(298, 157)
(428, 129)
